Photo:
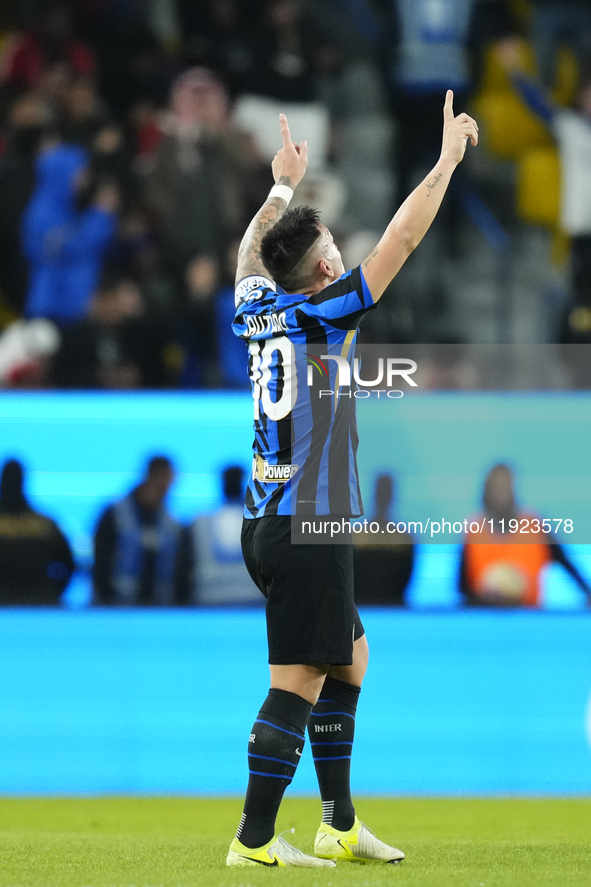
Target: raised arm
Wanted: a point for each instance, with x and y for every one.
(414, 218)
(289, 166)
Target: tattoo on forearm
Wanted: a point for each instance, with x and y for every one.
(432, 184)
(371, 257)
(249, 259)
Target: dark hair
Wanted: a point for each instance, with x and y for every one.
(158, 465)
(286, 244)
(384, 490)
(12, 497)
(232, 479)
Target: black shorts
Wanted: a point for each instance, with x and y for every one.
(311, 612)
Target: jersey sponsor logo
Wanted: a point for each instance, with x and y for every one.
(262, 324)
(271, 474)
(326, 728)
(252, 288)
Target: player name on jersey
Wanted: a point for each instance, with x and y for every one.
(266, 323)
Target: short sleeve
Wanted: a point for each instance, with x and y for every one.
(252, 289)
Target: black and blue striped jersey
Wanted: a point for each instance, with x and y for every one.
(305, 442)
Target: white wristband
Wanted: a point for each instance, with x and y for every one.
(283, 191)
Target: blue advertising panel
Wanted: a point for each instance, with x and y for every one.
(457, 702)
(163, 701)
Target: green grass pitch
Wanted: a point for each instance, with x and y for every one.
(181, 842)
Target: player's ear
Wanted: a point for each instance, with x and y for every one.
(324, 268)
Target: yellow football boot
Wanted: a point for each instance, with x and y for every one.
(276, 853)
(359, 844)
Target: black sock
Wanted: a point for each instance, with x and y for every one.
(274, 750)
(331, 729)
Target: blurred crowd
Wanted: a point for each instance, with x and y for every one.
(144, 557)
(135, 140)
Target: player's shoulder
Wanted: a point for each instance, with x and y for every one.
(255, 288)
(350, 281)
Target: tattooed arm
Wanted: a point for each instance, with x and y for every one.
(289, 166)
(414, 218)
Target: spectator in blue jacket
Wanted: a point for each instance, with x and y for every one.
(429, 56)
(64, 244)
(141, 553)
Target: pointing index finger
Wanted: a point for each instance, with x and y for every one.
(284, 130)
(448, 108)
